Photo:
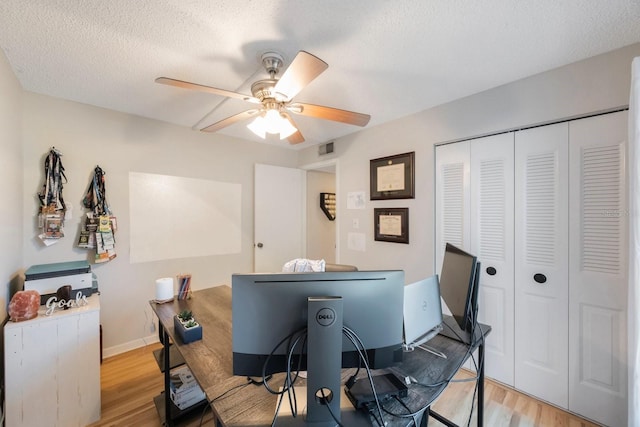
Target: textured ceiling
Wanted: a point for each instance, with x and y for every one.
(386, 58)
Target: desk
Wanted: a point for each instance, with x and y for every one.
(210, 361)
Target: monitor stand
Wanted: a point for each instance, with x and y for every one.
(451, 329)
(349, 416)
(324, 369)
(324, 360)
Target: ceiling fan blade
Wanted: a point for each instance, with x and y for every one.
(303, 69)
(296, 137)
(230, 120)
(330, 113)
(209, 89)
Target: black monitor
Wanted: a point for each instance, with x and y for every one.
(266, 308)
(459, 283)
(270, 311)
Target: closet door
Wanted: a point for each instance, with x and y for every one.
(598, 269)
(541, 258)
(453, 206)
(492, 181)
(452, 198)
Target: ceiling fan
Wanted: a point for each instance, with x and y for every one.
(274, 98)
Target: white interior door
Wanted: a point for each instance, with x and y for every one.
(598, 269)
(492, 183)
(279, 216)
(541, 263)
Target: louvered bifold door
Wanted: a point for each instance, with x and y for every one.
(598, 269)
(541, 256)
(452, 199)
(492, 242)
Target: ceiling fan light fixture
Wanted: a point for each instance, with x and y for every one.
(258, 127)
(286, 128)
(272, 122)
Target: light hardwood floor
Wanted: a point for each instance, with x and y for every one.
(131, 380)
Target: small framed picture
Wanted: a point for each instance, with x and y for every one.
(392, 177)
(391, 225)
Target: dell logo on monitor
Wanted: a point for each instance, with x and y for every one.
(325, 316)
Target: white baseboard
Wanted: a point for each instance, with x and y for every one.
(128, 346)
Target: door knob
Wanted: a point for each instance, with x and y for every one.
(259, 245)
(540, 278)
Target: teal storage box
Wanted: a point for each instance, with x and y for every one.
(47, 278)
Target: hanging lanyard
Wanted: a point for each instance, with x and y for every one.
(54, 173)
(95, 198)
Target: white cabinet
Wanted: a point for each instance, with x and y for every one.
(52, 368)
(546, 208)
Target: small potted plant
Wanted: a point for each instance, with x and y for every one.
(187, 327)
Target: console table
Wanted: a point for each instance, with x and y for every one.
(210, 361)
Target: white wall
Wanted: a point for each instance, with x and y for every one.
(120, 143)
(593, 85)
(321, 232)
(11, 190)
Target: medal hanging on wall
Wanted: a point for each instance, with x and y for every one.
(100, 224)
(52, 206)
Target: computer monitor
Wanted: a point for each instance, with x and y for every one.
(459, 289)
(266, 308)
(269, 308)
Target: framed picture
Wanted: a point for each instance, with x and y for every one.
(392, 177)
(391, 224)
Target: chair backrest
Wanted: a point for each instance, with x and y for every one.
(340, 267)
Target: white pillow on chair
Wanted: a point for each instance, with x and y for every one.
(302, 265)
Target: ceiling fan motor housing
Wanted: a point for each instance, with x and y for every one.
(265, 90)
(272, 61)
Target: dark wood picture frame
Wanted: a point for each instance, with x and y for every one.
(391, 225)
(392, 177)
